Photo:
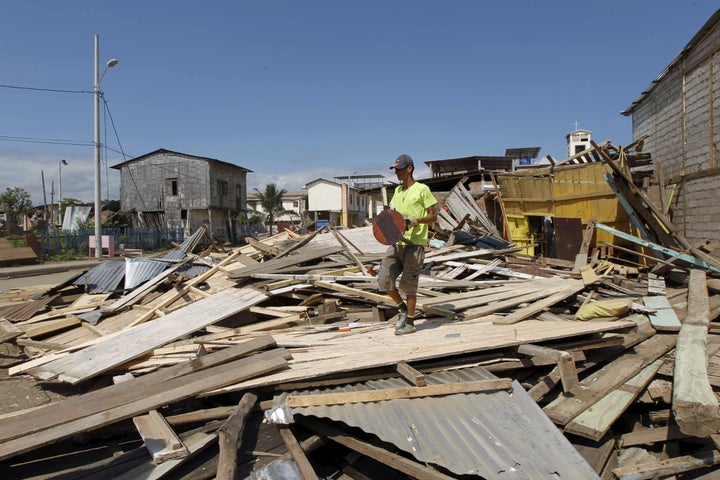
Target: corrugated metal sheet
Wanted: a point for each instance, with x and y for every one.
(192, 270)
(75, 215)
(187, 246)
(138, 270)
(25, 310)
(103, 278)
(497, 435)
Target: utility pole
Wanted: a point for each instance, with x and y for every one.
(52, 202)
(42, 175)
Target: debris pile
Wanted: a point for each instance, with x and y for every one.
(277, 359)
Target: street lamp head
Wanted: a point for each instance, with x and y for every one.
(112, 62)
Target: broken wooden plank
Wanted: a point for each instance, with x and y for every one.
(652, 435)
(593, 388)
(663, 318)
(656, 284)
(306, 255)
(118, 349)
(663, 468)
(565, 362)
(195, 442)
(298, 455)
(51, 326)
(337, 398)
(582, 255)
(411, 375)
(141, 291)
(152, 396)
(381, 298)
(694, 405)
(229, 435)
(572, 287)
(160, 439)
(75, 407)
(595, 422)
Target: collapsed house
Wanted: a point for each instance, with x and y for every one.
(278, 359)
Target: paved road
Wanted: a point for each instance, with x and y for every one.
(50, 279)
(42, 274)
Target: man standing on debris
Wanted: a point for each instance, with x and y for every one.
(417, 204)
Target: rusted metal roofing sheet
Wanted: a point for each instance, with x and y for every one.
(497, 435)
(103, 278)
(138, 270)
(25, 310)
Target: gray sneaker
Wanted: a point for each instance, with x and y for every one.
(409, 327)
(402, 318)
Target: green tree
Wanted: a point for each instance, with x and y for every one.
(68, 202)
(271, 202)
(120, 219)
(251, 217)
(15, 202)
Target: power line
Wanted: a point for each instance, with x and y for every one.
(53, 90)
(55, 141)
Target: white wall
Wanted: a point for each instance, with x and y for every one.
(324, 196)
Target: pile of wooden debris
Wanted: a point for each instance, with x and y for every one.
(278, 360)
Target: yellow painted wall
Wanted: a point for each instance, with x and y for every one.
(572, 191)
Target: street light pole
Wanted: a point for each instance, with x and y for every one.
(98, 207)
(96, 95)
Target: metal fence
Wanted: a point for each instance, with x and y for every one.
(54, 242)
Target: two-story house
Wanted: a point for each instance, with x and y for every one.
(176, 190)
(294, 202)
(340, 204)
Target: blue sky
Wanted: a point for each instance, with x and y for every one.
(297, 90)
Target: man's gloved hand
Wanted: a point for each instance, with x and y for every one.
(411, 222)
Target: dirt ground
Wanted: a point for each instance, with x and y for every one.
(18, 392)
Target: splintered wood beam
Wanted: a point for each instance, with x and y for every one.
(598, 385)
(694, 404)
(337, 398)
(160, 439)
(292, 444)
(564, 360)
(229, 434)
(595, 422)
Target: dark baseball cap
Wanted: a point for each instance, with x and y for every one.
(402, 161)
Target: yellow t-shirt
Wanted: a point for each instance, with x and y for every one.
(414, 202)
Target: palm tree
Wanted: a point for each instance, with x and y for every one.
(271, 202)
